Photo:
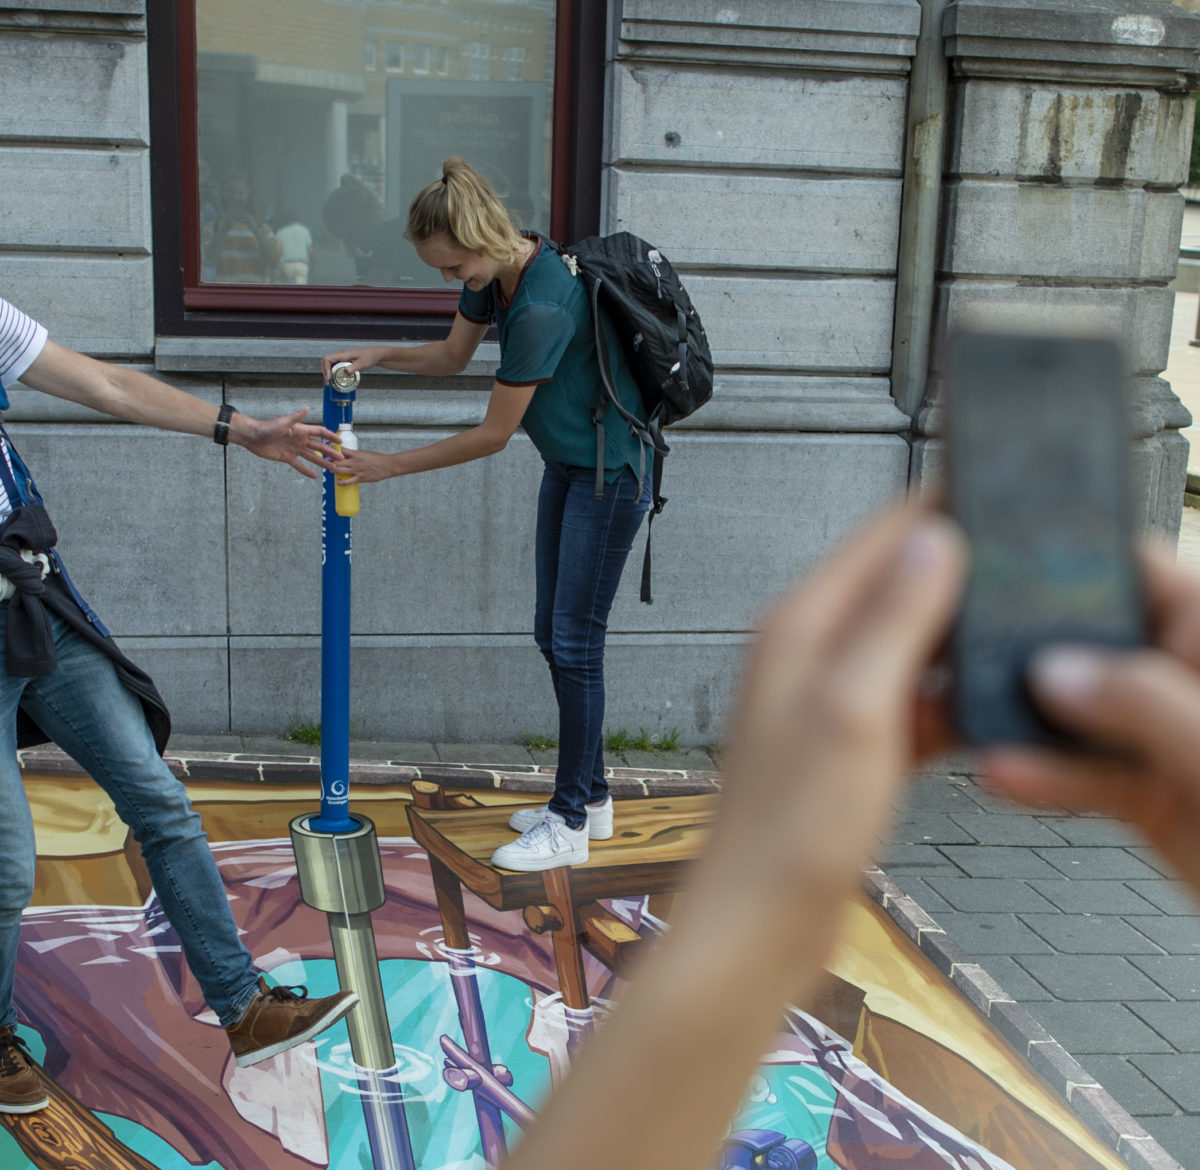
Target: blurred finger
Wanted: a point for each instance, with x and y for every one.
(1167, 813)
(816, 612)
(903, 619)
(1145, 700)
(806, 689)
(1046, 779)
(1173, 601)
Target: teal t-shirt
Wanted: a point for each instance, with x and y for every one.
(546, 337)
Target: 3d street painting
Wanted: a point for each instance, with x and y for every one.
(491, 980)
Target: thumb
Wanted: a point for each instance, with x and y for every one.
(1144, 699)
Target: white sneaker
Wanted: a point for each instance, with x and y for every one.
(549, 844)
(599, 819)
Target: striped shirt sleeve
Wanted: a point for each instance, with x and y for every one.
(21, 340)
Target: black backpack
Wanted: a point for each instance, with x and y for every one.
(632, 285)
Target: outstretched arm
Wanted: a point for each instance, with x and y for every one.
(135, 397)
(506, 408)
(819, 745)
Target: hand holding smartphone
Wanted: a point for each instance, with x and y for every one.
(1038, 440)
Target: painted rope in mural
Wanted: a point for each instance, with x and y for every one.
(144, 1078)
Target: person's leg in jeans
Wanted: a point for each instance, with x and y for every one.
(21, 1088)
(552, 500)
(16, 831)
(88, 713)
(551, 503)
(578, 575)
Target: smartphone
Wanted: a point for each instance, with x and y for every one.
(1038, 477)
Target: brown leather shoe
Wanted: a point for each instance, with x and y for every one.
(21, 1089)
(279, 1018)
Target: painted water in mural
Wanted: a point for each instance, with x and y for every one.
(892, 1066)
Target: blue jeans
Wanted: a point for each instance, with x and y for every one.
(84, 708)
(582, 546)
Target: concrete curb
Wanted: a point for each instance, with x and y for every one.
(1092, 1103)
(238, 767)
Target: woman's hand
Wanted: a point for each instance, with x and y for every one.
(365, 467)
(1145, 706)
(285, 439)
(360, 357)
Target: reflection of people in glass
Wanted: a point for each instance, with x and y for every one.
(296, 248)
(238, 247)
(354, 215)
(549, 383)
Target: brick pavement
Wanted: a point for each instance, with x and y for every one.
(1079, 924)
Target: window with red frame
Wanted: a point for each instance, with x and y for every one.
(304, 128)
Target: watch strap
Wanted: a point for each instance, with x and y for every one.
(221, 430)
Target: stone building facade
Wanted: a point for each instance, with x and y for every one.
(773, 152)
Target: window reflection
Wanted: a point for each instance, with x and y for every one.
(319, 120)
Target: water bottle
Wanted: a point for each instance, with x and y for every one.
(345, 496)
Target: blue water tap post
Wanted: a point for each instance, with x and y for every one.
(335, 641)
(337, 855)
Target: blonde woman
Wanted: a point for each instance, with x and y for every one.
(548, 382)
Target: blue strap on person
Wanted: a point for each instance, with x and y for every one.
(18, 493)
(21, 491)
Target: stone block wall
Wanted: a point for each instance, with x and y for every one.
(762, 146)
(75, 171)
(1070, 130)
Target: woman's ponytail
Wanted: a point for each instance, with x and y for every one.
(464, 206)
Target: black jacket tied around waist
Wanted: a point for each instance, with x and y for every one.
(29, 635)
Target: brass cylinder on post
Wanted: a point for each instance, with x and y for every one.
(342, 875)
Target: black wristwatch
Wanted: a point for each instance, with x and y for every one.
(221, 430)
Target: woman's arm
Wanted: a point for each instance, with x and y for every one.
(506, 407)
(136, 397)
(436, 358)
(819, 746)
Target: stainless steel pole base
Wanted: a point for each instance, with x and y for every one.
(342, 875)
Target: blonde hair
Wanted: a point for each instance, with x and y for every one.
(464, 206)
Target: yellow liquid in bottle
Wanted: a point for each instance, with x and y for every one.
(345, 497)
